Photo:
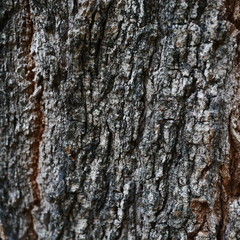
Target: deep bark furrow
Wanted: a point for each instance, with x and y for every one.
(35, 91)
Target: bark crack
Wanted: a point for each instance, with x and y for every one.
(35, 91)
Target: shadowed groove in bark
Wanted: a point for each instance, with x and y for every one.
(7, 15)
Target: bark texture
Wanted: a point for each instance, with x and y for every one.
(120, 119)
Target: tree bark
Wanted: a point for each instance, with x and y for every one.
(119, 119)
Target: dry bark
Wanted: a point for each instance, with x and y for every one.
(119, 119)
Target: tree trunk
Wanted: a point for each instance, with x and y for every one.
(120, 119)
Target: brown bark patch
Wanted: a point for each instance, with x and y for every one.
(72, 152)
(2, 234)
(231, 173)
(201, 209)
(229, 186)
(38, 124)
(233, 12)
(221, 206)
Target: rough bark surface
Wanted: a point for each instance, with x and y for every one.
(119, 119)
